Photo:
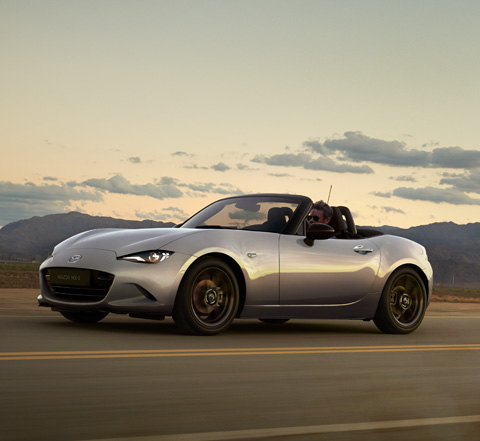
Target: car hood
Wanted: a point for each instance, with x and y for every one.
(125, 241)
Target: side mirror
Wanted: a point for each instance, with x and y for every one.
(318, 232)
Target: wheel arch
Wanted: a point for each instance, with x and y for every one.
(235, 267)
(389, 320)
(420, 273)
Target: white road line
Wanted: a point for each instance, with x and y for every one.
(302, 430)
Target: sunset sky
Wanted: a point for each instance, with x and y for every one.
(153, 109)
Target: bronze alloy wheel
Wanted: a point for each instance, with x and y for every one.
(208, 298)
(403, 303)
(212, 296)
(406, 299)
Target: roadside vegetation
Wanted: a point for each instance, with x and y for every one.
(19, 275)
(454, 293)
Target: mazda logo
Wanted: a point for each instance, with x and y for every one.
(75, 258)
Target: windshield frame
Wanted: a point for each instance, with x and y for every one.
(303, 207)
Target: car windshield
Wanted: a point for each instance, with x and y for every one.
(270, 214)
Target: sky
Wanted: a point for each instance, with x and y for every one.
(154, 109)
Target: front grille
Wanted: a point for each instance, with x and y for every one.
(77, 285)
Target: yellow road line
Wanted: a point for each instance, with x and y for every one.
(228, 351)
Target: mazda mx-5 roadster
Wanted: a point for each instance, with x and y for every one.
(253, 256)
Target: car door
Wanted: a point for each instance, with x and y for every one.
(331, 272)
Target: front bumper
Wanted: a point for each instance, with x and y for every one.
(133, 288)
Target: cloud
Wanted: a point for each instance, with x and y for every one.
(455, 157)
(381, 194)
(309, 163)
(50, 178)
(393, 210)
(166, 180)
(14, 210)
(327, 164)
(280, 175)
(195, 167)
(436, 195)
(245, 167)
(179, 153)
(45, 192)
(210, 187)
(163, 189)
(177, 211)
(135, 160)
(163, 215)
(469, 183)
(361, 148)
(203, 187)
(284, 160)
(403, 178)
(221, 167)
(23, 201)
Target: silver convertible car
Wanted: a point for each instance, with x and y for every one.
(251, 256)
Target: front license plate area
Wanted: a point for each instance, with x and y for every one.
(69, 277)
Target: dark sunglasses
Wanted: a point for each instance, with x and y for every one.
(315, 218)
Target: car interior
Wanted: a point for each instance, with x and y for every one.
(343, 224)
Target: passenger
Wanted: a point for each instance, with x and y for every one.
(321, 213)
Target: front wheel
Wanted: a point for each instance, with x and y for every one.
(208, 298)
(403, 303)
(84, 316)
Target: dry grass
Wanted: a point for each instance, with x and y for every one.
(19, 275)
(452, 293)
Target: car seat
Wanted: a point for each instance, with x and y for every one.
(275, 220)
(337, 222)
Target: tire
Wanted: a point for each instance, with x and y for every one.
(274, 321)
(208, 298)
(403, 303)
(84, 316)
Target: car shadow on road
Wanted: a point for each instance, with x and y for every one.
(302, 327)
(238, 328)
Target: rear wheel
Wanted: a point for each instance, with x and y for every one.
(403, 303)
(84, 316)
(208, 298)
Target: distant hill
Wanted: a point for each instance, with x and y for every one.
(453, 250)
(33, 239)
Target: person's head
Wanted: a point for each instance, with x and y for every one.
(321, 213)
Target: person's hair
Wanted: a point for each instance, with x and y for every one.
(323, 206)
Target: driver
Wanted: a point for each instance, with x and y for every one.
(321, 213)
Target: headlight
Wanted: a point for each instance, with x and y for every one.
(148, 256)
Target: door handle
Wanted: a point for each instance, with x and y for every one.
(361, 250)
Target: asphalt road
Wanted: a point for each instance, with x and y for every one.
(138, 380)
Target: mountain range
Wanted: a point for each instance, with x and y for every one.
(33, 239)
(453, 250)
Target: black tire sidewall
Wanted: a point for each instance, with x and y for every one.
(184, 314)
(384, 318)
